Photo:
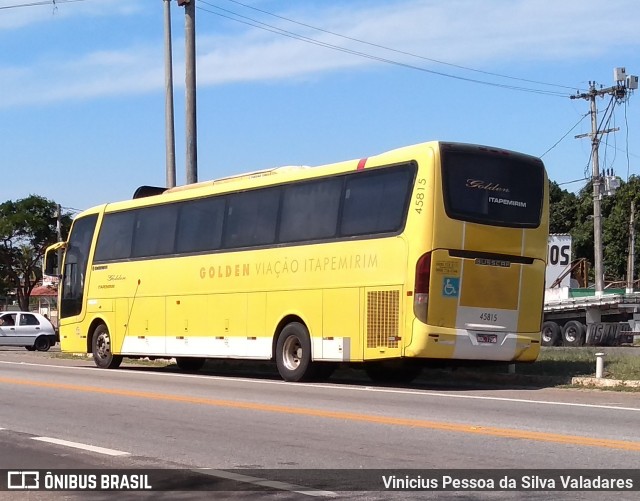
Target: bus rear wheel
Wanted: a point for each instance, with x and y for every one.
(190, 364)
(101, 349)
(293, 353)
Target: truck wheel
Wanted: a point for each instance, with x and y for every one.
(101, 349)
(293, 353)
(573, 333)
(550, 334)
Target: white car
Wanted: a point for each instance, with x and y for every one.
(23, 328)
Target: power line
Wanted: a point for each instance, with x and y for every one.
(389, 48)
(279, 31)
(626, 123)
(38, 4)
(606, 142)
(566, 134)
(574, 181)
(71, 209)
(605, 116)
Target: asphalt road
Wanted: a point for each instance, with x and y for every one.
(141, 417)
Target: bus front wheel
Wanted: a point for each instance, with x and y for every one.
(293, 353)
(101, 348)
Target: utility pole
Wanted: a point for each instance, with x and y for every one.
(59, 236)
(190, 89)
(631, 252)
(170, 141)
(618, 92)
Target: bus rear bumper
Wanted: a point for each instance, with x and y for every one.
(462, 344)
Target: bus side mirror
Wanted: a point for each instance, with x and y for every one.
(51, 264)
(53, 259)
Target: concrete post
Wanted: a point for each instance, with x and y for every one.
(599, 365)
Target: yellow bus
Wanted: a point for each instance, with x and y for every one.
(432, 251)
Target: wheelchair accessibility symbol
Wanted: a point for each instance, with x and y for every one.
(450, 286)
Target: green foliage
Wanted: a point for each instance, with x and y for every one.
(27, 227)
(573, 213)
(563, 209)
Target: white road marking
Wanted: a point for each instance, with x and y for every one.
(416, 392)
(86, 447)
(274, 484)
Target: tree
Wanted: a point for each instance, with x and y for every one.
(27, 227)
(562, 208)
(616, 228)
(582, 231)
(571, 213)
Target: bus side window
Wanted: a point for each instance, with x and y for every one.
(375, 203)
(155, 231)
(310, 210)
(251, 218)
(200, 225)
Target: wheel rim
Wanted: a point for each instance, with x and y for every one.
(546, 335)
(292, 353)
(103, 345)
(570, 335)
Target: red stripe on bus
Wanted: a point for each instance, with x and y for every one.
(361, 163)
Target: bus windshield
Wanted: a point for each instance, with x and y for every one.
(487, 187)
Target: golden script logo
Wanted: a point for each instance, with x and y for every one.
(484, 185)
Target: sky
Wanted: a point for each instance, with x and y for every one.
(82, 86)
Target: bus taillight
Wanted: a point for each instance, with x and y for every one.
(421, 293)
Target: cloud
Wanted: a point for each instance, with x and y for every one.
(461, 32)
(17, 14)
(103, 73)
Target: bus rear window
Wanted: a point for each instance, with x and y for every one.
(492, 188)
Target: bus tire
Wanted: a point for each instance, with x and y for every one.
(573, 333)
(42, 343)
(293, 353)
(101, 349)
(551, 335)
(190, 364)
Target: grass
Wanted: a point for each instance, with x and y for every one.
(619, 363)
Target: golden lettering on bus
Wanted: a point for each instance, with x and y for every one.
(286, 266)
(225, 271)
(486, 185)
(335, 263)
(278, 267)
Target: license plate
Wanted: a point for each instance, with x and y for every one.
(487, 338)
